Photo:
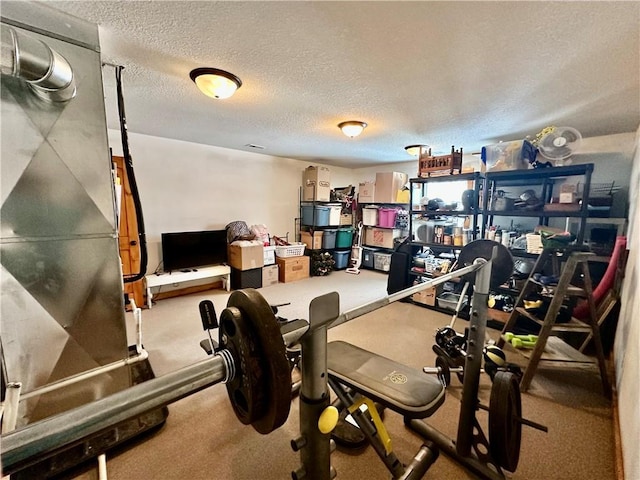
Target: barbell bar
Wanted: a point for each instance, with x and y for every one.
(32, 443)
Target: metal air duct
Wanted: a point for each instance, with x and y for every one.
(46, 71)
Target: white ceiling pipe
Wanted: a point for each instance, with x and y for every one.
(46, 71)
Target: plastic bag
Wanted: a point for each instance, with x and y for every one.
(261, 232)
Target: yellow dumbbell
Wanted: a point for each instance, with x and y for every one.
(517, 343)
(525, 338)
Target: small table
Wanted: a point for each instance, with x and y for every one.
(177, 277)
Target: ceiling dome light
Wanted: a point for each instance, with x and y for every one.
(414, 150)
(352, 128)
(215, 83)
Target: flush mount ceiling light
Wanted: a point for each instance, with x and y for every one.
(352, 128)
(215, 83)
(414, 150)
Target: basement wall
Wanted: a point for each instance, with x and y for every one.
(187, 186)
(627, 342)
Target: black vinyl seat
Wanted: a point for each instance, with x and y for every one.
(403, 389)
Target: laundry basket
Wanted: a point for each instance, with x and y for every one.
(294, 250)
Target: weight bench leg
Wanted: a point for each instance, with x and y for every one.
(380, 441)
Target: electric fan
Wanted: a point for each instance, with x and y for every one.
(560, 143)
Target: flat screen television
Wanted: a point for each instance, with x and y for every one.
(182, 250)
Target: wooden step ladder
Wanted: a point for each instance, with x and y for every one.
(550, 348)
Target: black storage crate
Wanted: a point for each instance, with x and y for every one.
(246, 278)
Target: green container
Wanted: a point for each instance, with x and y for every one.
(344, 237)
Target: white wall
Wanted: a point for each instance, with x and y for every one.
(627, 341)
(187, 186)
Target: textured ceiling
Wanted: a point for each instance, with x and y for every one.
(441, 73)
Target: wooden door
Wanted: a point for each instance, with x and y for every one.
(128, 236)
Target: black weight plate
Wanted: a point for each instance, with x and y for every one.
(502, 267)
(505, 428)
(247, 390)
(272, 411)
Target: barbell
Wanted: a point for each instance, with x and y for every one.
(252, 362)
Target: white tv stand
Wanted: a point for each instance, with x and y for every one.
(177, 277)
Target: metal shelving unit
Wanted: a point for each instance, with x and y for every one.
(544, 180)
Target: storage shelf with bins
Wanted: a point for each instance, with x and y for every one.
(326, 218)
(382, 226)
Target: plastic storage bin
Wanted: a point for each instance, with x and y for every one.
(516, 155)
(307, 215)
(341, 259)
(329, 238)
(382, 261)
(334, 214)
(370, 216)
(367, 256)
(344, 237)
(450, 300)
(387, 217)
(315, 215)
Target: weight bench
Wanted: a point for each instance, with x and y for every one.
(400, 388)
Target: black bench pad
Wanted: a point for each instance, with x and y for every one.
(403, 389)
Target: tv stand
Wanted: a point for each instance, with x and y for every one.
(177, 277)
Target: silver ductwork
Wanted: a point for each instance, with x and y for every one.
(61, 291)
(46, 71)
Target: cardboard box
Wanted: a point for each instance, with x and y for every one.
(292, 268)
(425, 297)
(366, 192)
(381, 237)
(245, 257)
(567, 197)
(312, 241)
(346, 219)
(387, 186)
(316, 184)
(269, 275)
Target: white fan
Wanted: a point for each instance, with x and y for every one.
(560, 143)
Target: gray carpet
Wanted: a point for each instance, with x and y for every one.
(202, 439)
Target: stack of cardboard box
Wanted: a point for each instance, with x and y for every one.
(246, 259)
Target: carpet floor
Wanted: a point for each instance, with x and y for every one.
(202, 439)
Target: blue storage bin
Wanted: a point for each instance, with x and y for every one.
(341, 259)
(329, 238)
(321, 216)
(315, 215)
(307, 215)
(344, 237)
